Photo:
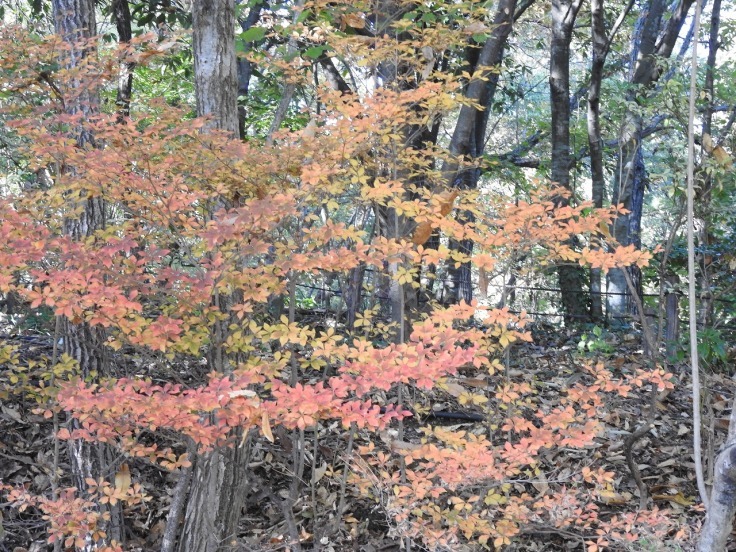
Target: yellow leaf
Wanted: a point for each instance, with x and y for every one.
(679, 498)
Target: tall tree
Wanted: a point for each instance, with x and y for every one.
(564, 14)
(706, 189)
(600, 47)
(75, 22)
(218, 484)
(468, 138)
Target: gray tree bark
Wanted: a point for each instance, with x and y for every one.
(719, 520)
(564, 14)
(215, 65)
(718, 523)
(219, 479)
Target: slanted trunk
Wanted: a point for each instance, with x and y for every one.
(719, 520)
(468, 139)
(722, 503)
(564, 13)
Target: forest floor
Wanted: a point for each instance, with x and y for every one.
(663, 456)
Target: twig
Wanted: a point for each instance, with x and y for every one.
(631, 440)
(344, 479)
(694, 365)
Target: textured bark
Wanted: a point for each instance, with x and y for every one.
(719, 520)
(564, 13)
(215, 67)
(219, 478)
(653, 39)
(176, 510)
(74, 21)
(216, 498)
(722, 504)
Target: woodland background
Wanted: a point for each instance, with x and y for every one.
(381, 275)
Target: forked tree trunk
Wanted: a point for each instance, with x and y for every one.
(468, 138)
(655, 40)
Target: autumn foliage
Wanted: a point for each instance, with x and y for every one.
(203, 233)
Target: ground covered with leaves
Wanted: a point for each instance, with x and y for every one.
(552, 364)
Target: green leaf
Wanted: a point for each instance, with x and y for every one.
(315, 51)
(253, 34)
(303, 15)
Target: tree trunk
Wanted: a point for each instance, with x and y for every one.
(653, 39)
(74, 21)
(672, 315)
(215, 66)
(217, 496)
(598, 36)
(219, 478)
(705, 203)
(245, 67)
(600, 48)
(719, 520)
(564, 13)
(722, 504)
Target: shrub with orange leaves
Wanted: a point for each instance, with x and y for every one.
(177, 243)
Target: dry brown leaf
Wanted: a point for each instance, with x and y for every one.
(454, 389)
(266, 427)
(122, 479)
